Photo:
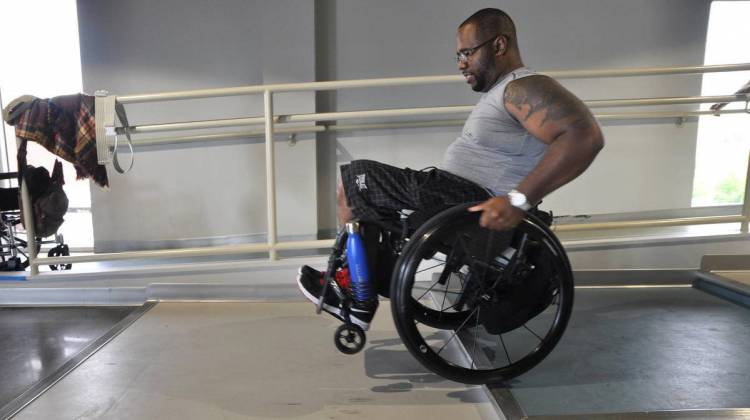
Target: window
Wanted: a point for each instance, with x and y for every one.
(44, 61)
(724, 142)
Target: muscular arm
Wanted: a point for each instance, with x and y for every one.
(557, 117)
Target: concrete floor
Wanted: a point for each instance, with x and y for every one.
(639, 350)
(38, 343)
(253, 360)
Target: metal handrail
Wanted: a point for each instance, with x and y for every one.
(327, 243)
(270, 121)
(405, 112)
(286, 128)
(413, 81)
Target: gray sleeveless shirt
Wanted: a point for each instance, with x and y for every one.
(494, 150)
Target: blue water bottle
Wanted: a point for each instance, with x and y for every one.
(357, 258)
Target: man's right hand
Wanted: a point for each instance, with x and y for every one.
(498, 214)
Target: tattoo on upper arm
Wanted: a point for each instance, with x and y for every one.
(542, 94)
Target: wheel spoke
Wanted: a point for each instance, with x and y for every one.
(430, 268)
(535, 334)
(500, 338)
(451, 307)
(429, 289)
(455, 333)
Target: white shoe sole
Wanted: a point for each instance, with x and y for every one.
(333, 310)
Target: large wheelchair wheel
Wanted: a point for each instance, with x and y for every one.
(492, 305)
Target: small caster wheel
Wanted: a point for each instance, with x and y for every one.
(349, 338)
(60, 251)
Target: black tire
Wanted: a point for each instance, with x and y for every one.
(349, 338)
(476, 357)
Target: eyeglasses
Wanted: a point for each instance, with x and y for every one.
(463, 55)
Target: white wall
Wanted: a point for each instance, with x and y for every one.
(200, 193)
(204, 193)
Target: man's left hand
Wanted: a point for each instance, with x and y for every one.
(498, 214)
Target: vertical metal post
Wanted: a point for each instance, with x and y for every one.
(28, 218)
(270, 174)
(5, 138)
(746, 202)
(26, 206)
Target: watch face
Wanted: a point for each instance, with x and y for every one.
(517, 199)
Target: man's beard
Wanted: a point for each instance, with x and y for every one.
(481, 77)
(479, 83)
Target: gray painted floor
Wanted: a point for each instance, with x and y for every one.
(253, 360)
(636, 350)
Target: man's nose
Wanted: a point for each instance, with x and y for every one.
(462, 65)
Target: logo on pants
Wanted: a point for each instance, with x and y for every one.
(361, 182)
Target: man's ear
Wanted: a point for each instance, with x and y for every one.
(501, 45)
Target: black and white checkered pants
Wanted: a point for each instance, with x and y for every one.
(376, 191)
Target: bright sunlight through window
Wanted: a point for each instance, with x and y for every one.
(724, 141)
(44, 61)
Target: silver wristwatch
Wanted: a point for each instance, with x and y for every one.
(518, 199)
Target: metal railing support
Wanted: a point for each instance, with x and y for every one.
(270, 174)
(28, 218)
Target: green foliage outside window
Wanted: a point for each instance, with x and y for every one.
(729, 190)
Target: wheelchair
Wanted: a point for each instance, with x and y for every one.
(471, 304)
(14, 246)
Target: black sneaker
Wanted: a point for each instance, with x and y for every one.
(310, 282)
(361, 313)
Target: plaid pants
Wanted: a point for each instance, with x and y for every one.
(376, 191)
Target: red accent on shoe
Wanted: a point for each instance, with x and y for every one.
(343, 278)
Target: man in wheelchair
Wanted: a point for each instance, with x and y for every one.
(526, 137)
